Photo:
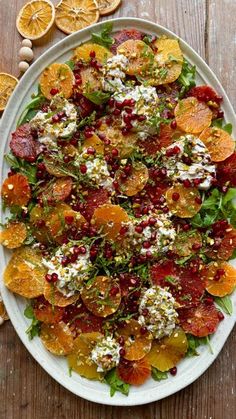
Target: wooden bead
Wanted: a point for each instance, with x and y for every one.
(23, 66)
(26, 43)
(26, 54)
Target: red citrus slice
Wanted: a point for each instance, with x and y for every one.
(46, 313)
(204, 94)
(226, 170)
(154, 144)
(226, 246)
(134, 372)
(200, 321)
(123, 36)
(23, 144)
(94, 199)
(80, 320)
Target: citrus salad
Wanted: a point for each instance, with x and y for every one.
(119, 209)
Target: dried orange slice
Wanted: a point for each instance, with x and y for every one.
(16, 190)
(185, 243)
(137, 344)
(187, 204)
(56, 298)
(125, 144)
(139, 54)
(102, 297)
(57, 338)
(3, 312)
(95, 143)
(73, 15)
(25, 274)
(106, 7)
(13, 235)
(220, 278)
(218, 142)
(136, 181)
(80, 361)
(57, 78)
(7, 85)
(192, 116)
(83, 53)
(35, 19)
(169, 59)
(134, 372)
(167, 352)
(109, 219)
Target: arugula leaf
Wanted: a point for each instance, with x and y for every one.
(194, 343)
(158, 375)
(225, 303)
(116, 384)
(187, 77)
(103, 38)
(30, 110)
(88, 120)
(23, 166)
(219, 123)
(70, 64)
(97, 97)
(34, 329)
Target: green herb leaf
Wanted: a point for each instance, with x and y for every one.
(187, 77)
(225, 304)
(34, 329)
(219, 123)
(31, 109)
(27, 169)
(194, 343)
(97, 97)
(70, 64)
(116, 384)
(88, 120)
(158, 375)
(103, 38)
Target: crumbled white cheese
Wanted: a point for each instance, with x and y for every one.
(157, 311)
(201, 166)
(106, 354)
(72, 276)
(114, 73)
(97, 170)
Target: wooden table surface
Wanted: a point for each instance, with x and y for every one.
(26, 391)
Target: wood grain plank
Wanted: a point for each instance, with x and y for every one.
(26, 391)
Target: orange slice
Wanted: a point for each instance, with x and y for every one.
(169, 58)
(83, 53)
(57, 338)
(134, 372)
(73, 15)
(7, 85)
(46, 313)
(58, 78)
(192, 116)
(136, 345)
(95, 143)
(37, 218)
(125, 144)
(25, 274)
(91, 80)
(218, 142)
(58, 191)
(3, 312)
(109, 219)
(56, 222)
(139, 54)
(16, 190)
(80, 361)
(136, 181)
(106, 7)
(226, 247)
(13, 235)
(220, 278)
(35, 19)
(56, 298)
(167, 352)
(102, 297)
(186, 205)
(185, 241)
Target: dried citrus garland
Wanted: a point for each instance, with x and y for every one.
(120, 191)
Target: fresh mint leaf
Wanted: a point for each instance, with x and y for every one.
(225, 303)
(29, 312)
(187, 77)
(230, 194)
(219, 123)
(70, 64)
(228, 128)
(158, 375)
(97, 97)
(104, 37)
(34, 329)
(30, 110)
(116, 384)
(194, 343)
(28, 169)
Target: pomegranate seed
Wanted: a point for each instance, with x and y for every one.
(114, 152)
(91, 150)
(93, 253)
(173, 124)
(92, 54)
(186, 227)
(122, 352)
(116, 112)
(220, 315)
(173, 371)
(220, 272)
(143, 330)
(145, 312)
(224, 189)
(88, 133)
(69, 219)
(175, 196)
(198, 200)
(216, 277)
(78, 81)
(123, 230)
(48, 277)
(146, 244)
(187, 160)
(41, 166)
(64, 261)
(82, 250)
(220, 114)
(196, 246)
(40, 223)
(127, 169)
(197, 181)
(83, 168)
(54, 91)
(125, 130)
(152, 221)
(186, 183)
(54, 277)
(66, 159)
(31, 159)
(116, 184)
(123, 176)
(148, 254)
(142, 118)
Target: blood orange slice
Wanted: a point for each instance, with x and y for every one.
(220, 278)
(80, 320)
(200, 321)
(95, 198)
(23, 144)
(123, 36)
(192, 116)
(226, 170)
(226, 247)
(134, 372)
(137, 344)
(16, 190)
(46, 313)
(57, 338)
(154, 144)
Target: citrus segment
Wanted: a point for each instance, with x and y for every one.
(35, 19)
(25, 274)
(16, 190)
(200, 321)
(136, 343)
(169, 59)
(57, 338)
(7, 85)
(46, 313)
(192, 116)
(167, 352)
(83, 53)
(13, 235)
(73, 15)
(218, 142)
(109, 218)
(139, 54)
(187, 204)
(136, 180)
(55, 297)
(125, 144)
(95, 143)
(57, 78)
(94, 199)
(134, 372)
(102, 297)
(187, 243)
(80, 360)
(220, 278)
(23, 144)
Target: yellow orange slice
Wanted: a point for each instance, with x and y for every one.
(137, 345)
(57, 77)
(192, 116)
(95, 143)
(7, 85)
(187, 204)
(136, 181)
(56, 298)
(169, 59)
(218, 142)
(35, 19)
(73, 15)
(109, 219)
(57, 338)
(13, 235)
(106, 7)
(139, 54)
(220, 278)
(83, 53)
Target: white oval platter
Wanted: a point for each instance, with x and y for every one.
(190, 368)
